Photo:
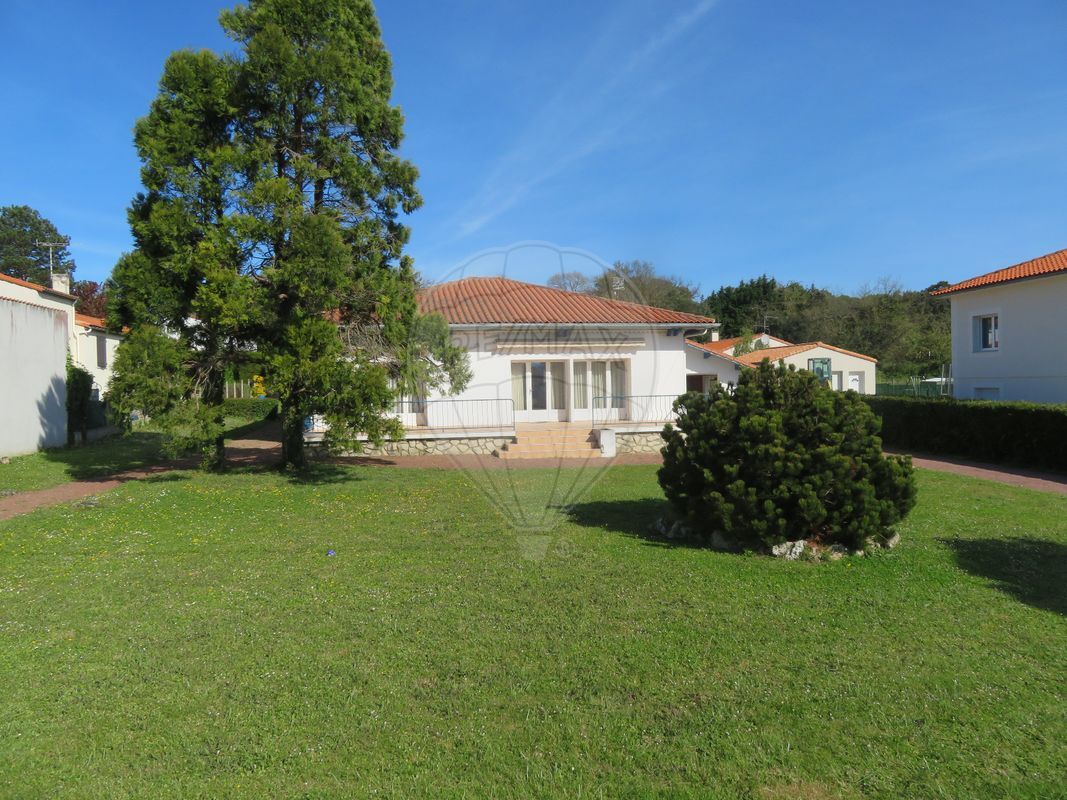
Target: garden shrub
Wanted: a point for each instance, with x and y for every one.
(79, 395)
(783, 458)
(250, 408)
(1025, 434)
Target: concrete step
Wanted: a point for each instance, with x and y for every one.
(512, 455)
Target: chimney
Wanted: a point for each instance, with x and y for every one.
(61, 282)
(715, 331)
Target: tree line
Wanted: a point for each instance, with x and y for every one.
(908, 331)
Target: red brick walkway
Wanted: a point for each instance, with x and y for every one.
(1026, 478)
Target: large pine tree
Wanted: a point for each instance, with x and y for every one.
(271, 220)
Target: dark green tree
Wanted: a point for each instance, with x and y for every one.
(21, 228)
(783, 458)
(271, 221)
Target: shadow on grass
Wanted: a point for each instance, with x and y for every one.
(1034, 571)
(117, 453)
(631, 517)
(322, 474)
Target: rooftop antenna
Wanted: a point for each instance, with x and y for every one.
(51, 249)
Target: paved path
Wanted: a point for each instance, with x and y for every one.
(258, 448)
(262, 447)
(1026, 478)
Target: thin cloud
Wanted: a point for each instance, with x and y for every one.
(583, 117)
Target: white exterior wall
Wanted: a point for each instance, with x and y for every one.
(33, 355)
(1030, 362)
(852, 369)
(655, 361)
(702, 362)
(47, 300)
(86, 355)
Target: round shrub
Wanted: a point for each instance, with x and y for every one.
(783, 458)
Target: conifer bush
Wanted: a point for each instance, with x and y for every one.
(783, 458)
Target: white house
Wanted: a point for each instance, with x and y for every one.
(559, 373)
(1007, 327)
(38, 328)
(554, 373)
(715, 361)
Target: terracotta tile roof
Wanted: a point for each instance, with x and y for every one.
(1045, 265)
(35, 286)
(778, 353)
(713, 347)
(726, 344)
(487, 301)
(89, 322)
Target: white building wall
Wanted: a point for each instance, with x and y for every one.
(33, 355)
(849, 372)
(655, 361)
(702, 362)
(1031, 361)
(86, 355)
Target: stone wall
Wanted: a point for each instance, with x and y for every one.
(641, 442)
(485, 446)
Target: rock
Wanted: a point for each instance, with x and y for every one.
(5, 460)
(660, 527)
(679, 530)
(790, 551)
(720, 542)
(837, 551)
(893, 541)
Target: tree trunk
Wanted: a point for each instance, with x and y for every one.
(292, 438)
(214, 392)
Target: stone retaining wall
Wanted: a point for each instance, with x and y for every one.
(642, 442)
(483, 445)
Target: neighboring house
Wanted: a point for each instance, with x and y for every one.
(1007, 327)
(553, 372)
(95, 350)
(38, 328)
(713, 361)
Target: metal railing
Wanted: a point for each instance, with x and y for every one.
(494, 414)
(634, 408)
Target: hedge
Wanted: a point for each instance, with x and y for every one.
(251, 408)
(1023, 434)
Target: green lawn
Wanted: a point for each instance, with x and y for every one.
(189, 636)
(47, 468)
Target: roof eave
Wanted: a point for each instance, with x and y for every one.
(689, 326)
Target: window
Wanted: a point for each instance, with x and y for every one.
(988, 329)
(518, 384)
(618, 383)
(101, 352)
(600, 384)
(581, 384)
(821, 368)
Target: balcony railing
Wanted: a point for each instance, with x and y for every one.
(634, 408)
(496, 413)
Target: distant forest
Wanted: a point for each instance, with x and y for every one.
(907, 331)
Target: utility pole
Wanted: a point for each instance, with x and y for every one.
(51, 249)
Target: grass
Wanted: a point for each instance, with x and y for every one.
(52, 467)
(189, 636)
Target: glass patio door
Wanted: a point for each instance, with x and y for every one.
(539, 390)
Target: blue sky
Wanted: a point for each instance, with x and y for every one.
(833, 143)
